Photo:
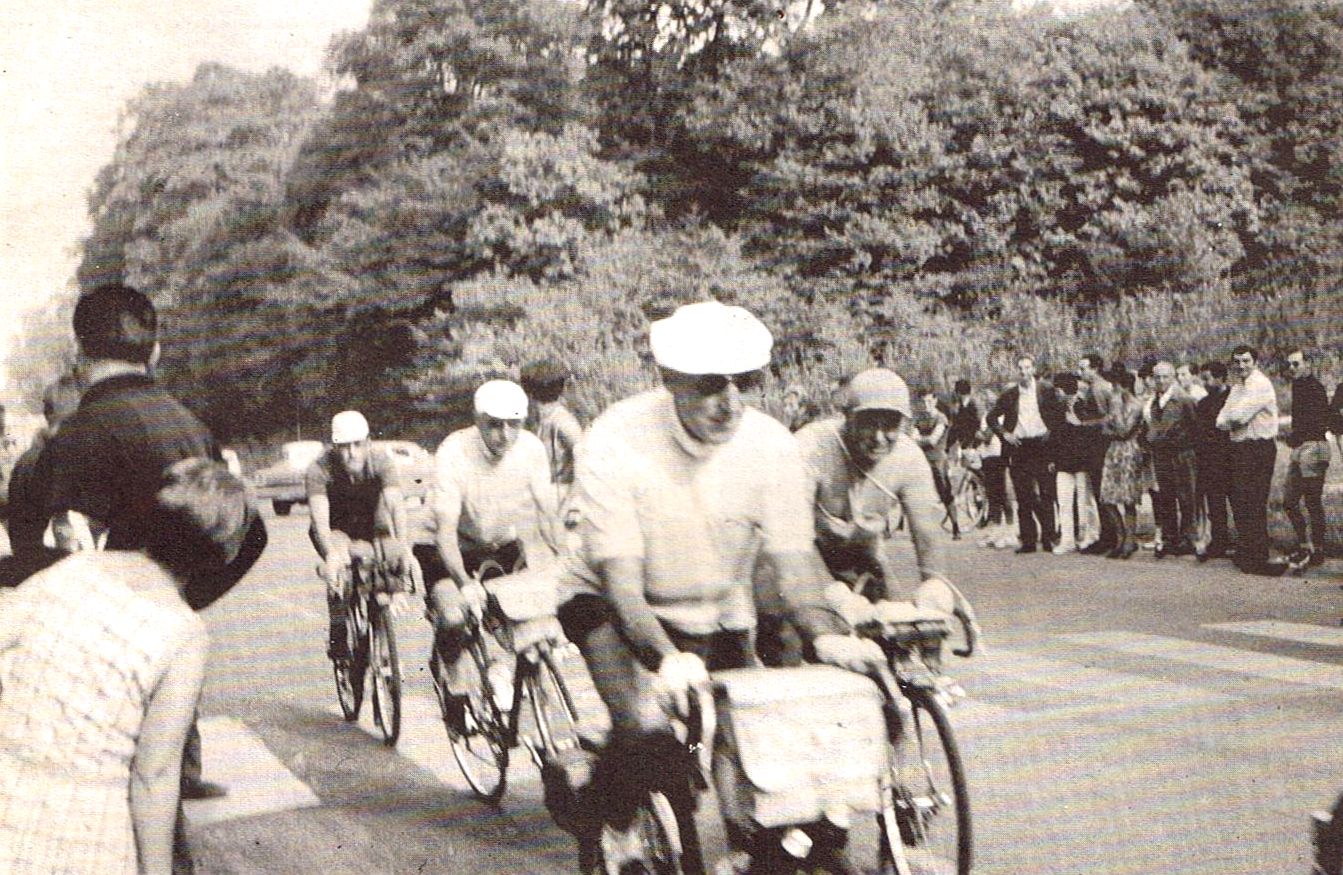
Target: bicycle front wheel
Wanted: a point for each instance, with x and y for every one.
(972, 501)
(659, 839)
(556, 717)
(926, 818)
(479, 745)
(385, 666)
(349, 672)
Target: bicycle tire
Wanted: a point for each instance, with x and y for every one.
(385, 668)
(480, 751)
(928, 811)
(972, 501)
(659, 835)
(349, 674)
(553, 707)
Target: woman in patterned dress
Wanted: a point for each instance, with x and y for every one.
(1126, 476)
(101, 664)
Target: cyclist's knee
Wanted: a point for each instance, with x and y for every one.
(446, 607)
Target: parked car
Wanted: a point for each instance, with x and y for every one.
(282, 483)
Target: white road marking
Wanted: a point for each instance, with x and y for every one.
(1230, 659)
(1126, 690)
(1329, 636)
(257, 781)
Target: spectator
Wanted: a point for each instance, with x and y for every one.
(1250, 416)
(1336, 416)
(1189, 382)
(1093, 412)
(931, 430)
(965, 419)
(109, 457)
(798, 409)
(1070, 447)
(1309, 462)
(555, 424)
(102, 662)
(994, 469)
(1018, 418)
(1126, 476)
(1172, 426)
(29, 485)
(1212, 455)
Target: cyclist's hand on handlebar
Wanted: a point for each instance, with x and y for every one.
(848, 652)
(333, 568)
(677, 674)
(937, 594)
(474, 598)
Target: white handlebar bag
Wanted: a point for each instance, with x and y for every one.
(528, 601)
(797, 744)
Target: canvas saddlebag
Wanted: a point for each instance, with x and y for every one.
(528, 601)
(797, 744)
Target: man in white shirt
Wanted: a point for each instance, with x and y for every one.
(493, 500)
(1250, 416)
(1017, 418)
(1189, 382)
(678, 491)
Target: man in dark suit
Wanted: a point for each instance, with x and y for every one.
(964, 413)
(1212, 453)
(1019, 418)
(1171, 428)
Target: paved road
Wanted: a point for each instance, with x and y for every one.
(1130, 717)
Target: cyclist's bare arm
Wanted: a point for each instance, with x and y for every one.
(395, 502)
(624, 578)
(319, 530)
(803, 593)
(448, 514)
(923, 512)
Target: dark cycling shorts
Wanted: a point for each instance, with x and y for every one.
(431, 563)
(727, 648)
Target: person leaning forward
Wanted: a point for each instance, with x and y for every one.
(109, 457)
(679, 490)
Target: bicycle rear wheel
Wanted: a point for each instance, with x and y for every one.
(480, 747)
(349, 673)
(926, 821)
(385, 666)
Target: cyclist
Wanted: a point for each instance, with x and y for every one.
(493, 500)
(678, 490)
(355, 498)
(862, 465)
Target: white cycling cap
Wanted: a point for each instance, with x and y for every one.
(877, 389)
(348, 427)
(501, 399)
(711, 338)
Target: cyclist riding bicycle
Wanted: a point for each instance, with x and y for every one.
(678, 491)
(862, 466)
(355, 498)
(493, 500)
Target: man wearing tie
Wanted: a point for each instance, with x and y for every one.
(1171, 427)
(1018, 418)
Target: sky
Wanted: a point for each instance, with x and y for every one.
(66, 69)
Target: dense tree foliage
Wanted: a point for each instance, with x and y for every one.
(932, 185)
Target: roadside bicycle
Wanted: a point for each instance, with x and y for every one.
(369, 588)
(970, 497)
(515, 647)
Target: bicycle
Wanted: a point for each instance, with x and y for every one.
(520, 616)
(970, 497)
(925, 816)
(369, 587)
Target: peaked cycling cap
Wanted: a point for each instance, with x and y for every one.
(501, 399)
(348, 427)
(710, 338)
(877, 389)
